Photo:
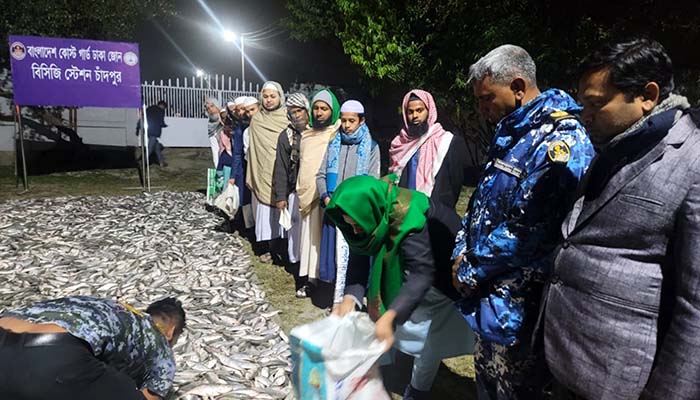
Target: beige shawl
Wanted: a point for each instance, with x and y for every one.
(265, 128)
(313, 146)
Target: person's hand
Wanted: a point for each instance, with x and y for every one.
(148, 395)
(231, 181)
(455, 268)
(384, 328)
(327, 200)
(462, 288)
(281, 205)
(344, 307)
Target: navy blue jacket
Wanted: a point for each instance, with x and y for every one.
(156, 120)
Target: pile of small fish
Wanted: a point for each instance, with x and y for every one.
(140, 249)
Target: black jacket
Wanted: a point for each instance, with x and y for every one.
(450, 177)
(156, 120)
(284, 174)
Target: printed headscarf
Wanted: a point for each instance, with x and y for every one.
(298, 100)
(431, 145)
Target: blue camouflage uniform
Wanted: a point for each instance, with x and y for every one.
(118, 335)
(537, 157)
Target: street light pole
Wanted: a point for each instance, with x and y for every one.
(230, 36)
(243, 62)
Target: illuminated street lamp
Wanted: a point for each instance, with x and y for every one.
(231, 36)
(199, 73)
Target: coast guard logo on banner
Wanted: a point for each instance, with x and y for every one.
(130, 58)
(18, 51)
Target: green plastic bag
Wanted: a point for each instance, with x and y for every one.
(216, 182)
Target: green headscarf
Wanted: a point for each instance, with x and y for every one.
(325, 95)
(387, 214)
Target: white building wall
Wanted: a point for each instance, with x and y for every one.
(185, 132)
(117, 127)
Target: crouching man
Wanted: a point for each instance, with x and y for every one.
(89, 348)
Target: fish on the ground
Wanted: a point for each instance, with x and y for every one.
(140, 249)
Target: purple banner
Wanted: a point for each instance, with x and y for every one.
(74, 72)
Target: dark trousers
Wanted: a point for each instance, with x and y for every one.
(57, 372)
(560, 392)
(155, 147)
(293, 270)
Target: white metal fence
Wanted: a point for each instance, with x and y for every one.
(186, 97)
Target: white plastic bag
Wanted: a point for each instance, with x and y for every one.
(285, 219)
(228, 201)
(336, 358)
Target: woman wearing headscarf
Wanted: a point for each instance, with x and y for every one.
(214, 127)
(314, 143)
(409, 285)
(265, 127)
(424, 155)
(285, 178)
(352, 152)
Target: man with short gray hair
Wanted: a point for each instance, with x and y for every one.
(539, 153)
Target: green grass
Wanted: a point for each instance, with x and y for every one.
(280, 292)
(186, 173)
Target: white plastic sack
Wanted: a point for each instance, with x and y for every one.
(228, 201)
(336, 358)
(285, 219)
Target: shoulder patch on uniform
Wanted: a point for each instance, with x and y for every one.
(559, 152)
(558, 116)
(131, 309)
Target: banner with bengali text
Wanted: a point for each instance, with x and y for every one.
(75, 72)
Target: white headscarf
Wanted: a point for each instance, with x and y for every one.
(265, 128)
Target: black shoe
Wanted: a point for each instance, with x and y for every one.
(303, 292)
(223, 227)
(412, 393)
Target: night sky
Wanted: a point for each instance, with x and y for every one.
(279, 58)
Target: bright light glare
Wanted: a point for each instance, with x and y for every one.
(229, 36)
(199, 72)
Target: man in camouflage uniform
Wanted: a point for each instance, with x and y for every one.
(88, 348)
(538, 155)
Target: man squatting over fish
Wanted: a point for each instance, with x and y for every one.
(89, 348)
